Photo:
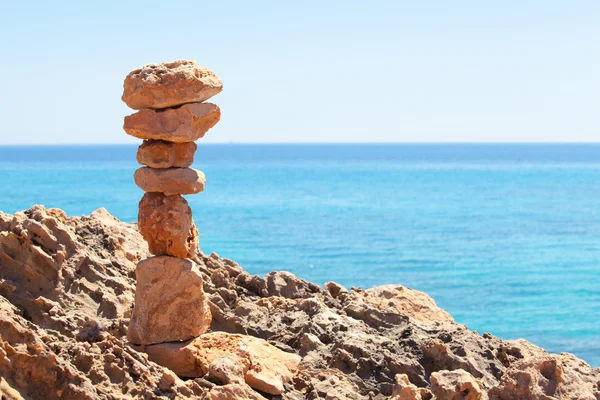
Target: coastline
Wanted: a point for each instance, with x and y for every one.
(75, 296)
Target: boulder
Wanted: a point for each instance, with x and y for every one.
(552, 376)
(170, 304)
(456, 385)
(162, 154)
(170, 181)
(183, 124)
(166, 224)
(169, 84)
(400, 300)
(226, 356)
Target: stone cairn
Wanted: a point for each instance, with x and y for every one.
(170, 304)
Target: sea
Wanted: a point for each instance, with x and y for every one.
(506, 237)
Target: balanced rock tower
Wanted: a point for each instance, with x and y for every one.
(170, 304)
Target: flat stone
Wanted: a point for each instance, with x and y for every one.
(169, 84)
(263, 366)
(170, 181)
(161, 154)
(183, 124)
(166, 224)
(170, 304)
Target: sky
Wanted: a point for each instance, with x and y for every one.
(311, 71)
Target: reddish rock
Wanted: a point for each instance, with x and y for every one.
(183, 124)
(263, 366)
(170, 304)
(170, 181)
(161, 154)
(169, 84)
(166, 224)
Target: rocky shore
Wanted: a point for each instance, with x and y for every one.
(67, 287)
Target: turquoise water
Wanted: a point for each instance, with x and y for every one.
(505, 237)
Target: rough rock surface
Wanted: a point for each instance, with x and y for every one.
(67, 285)
(182, 124)
(170, 304)
(170, 181)
(169, 84)
(553, 376)
(166, 224)
(229, 358)
(404, 390)
(161, 154)
(456, 385)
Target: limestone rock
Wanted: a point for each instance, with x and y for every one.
(166, 224)
(169, 84)
(264, 366)
(456, 385)
(161, 154)
(170, 181)
(73, 278)
(405, 301)
(233, 391)
(182, 124)
(170, 304)
(549, 377)
(404, 390)
(334, 289)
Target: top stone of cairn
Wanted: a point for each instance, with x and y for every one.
(169, 84)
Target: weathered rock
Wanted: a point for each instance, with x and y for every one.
(183, 124)
(404, 390)
(334, 289)
(169, 84)
(330, 384)
(233, 391)
(404, 301)
(264, 367)
(161, 154)
(456, 385)
(170, 181)
(166, 224)
(73, 279)
(549, 377)
(170, 304)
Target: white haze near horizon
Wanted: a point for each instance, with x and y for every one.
(312, 71)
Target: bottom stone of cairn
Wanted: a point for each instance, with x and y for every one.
(170, 304)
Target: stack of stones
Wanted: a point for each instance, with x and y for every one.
(170, 304)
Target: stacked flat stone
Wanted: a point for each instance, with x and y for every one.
(170, 304)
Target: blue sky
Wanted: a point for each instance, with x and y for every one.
(311, 71)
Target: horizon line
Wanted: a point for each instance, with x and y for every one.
(313, 143)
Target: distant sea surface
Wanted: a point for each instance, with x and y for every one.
(504, 237)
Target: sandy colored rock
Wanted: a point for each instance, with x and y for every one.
(402, 300)
(170, 181)
(169, 84)
(161, 154)
(74, 280)
(182, 124)
(265, 367)
(552, 376)
(166, 224)
(404, 390)
(233, 391)
(456, 385)
(170, 304)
